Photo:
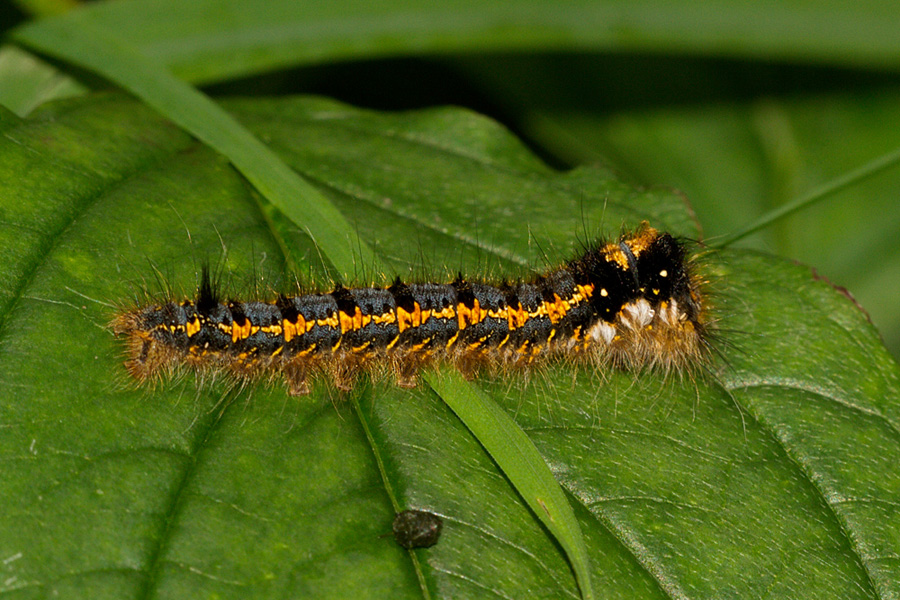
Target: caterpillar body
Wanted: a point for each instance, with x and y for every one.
(632, 303)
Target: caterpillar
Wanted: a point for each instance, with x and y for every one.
(632, 303)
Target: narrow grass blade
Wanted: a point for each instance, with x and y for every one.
(822, 192)
(520, 461)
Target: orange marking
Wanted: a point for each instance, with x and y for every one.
(470, 316)
(417, 316)
(637, 243)
(521, 317)
(346, 322)
(555, 310)
(272, 329)
(612, 253)
(362, 348)
(350, 322)
(404, 319)
(642, 240)
(290, 330)
(464, 315)
(452, 340)
(388, 317)
(332, 321)
(193, 327)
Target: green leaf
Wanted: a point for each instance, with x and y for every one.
(28, 81)
(775, 475)
(210, 40)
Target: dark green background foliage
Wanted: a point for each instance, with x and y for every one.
(773, 475)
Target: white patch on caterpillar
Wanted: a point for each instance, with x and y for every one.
(637, 315)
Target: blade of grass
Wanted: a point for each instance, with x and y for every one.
(858, 175)
(522, 464)
(79, 42)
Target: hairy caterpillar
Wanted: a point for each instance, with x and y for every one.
(632, 303)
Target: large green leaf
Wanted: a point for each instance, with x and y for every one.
(208, 40)
(776, 475)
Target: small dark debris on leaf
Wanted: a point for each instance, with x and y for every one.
(417, 528)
